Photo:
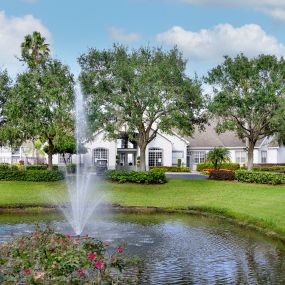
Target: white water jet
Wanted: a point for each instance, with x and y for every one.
(83, 197)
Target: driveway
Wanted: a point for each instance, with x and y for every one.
(186, 175)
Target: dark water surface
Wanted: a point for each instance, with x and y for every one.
(177, 249)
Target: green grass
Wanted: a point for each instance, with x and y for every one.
(262, 205)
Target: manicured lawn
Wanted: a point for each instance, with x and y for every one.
(261, 204)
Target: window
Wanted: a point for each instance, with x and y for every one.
(100, 155)
(155, 157)
(263, 156)
(241, 157)
(199, 156)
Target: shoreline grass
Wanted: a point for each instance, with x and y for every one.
(259, 205)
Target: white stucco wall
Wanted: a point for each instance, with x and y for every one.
(165, 145)
(281, 154)
(272, 155)
(100, 141)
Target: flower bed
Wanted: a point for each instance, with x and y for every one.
(47, 257)
(141, 177)
(220, 174)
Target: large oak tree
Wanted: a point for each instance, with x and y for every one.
(249, 97)
(144, 90)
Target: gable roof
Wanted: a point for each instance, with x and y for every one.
(209, 139)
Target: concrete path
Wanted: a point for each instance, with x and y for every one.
(195, 175)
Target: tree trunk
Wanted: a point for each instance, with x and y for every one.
(142, 157)
(50, 153)
(251, 145)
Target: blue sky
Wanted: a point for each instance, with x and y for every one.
(204, 30)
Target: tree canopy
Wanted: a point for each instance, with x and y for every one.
(140, 92)
(248, 97)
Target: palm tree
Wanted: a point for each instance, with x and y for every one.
(34, 50)
(218, 155)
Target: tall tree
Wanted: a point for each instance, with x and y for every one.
(5, 92)
(42, 104)
(144, 90)
(35, 51)
(248, 97)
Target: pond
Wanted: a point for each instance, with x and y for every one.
(176, 248)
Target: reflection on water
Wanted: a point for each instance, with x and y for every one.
(178, 249)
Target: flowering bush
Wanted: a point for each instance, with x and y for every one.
(47, 257)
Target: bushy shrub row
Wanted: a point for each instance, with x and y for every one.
(260, 177)
(222, 175)
(36, 167)
(31, 175)
(170, 169)
(143, 177)
(270, 168)
(228, 165)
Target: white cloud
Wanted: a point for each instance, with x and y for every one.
(224, 39)
(274, 8)
(121, 35)
(12, 33)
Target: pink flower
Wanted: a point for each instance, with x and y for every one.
(99, 264)
(39, 275)
(28, 271)
(91, 256)
(80, 271)
(68, 236)
(76, 240)
(120, 249)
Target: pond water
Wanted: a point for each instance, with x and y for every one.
(175, 248)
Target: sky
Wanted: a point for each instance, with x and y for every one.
(204, 30)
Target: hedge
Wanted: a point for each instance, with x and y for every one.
(170, 169)
(31, 175)
(36, 167)
(260, 177)
(269, 168)
(229, 165)
(222, 175)
(141, 177)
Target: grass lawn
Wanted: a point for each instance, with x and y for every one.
(260, 204)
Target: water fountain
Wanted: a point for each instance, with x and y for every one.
(83, 197)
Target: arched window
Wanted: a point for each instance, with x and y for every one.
(100, 156)
(155, 157)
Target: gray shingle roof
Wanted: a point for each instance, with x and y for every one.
(209, 138)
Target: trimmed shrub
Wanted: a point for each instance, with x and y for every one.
(170, 169)
(270, 168)
(228, 165)
(141, 177)
(260, 177)
(36, 167)
(222, 175)
(4, 166)
(31, 175)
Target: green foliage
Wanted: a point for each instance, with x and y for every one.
(249, 97)
(260, 177)
(179, 163)
(34, 50)
(229, 165)
(36, 167)
(217, 156)
(274, 168)
(222, 175)
(4, 166)
(126, 87)
(141, 177)
(31, 175)
(170, 169)
(48, 257)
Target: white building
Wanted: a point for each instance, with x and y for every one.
(164, 150)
